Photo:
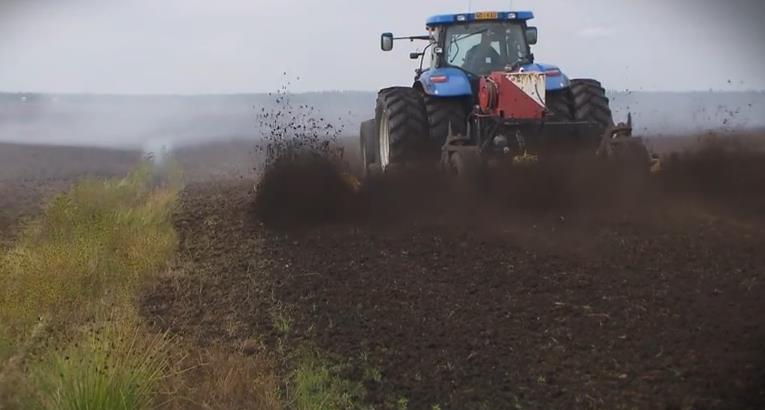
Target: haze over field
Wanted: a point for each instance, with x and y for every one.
(133, 121)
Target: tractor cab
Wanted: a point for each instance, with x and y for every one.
(463, 47)
(480, 43)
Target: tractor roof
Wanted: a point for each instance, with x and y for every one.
(445, 19)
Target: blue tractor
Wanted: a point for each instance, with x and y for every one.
(485, 98)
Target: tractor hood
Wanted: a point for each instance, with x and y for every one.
(453, 82)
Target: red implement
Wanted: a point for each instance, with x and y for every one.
(517, 96)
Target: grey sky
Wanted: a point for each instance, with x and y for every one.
(238, 46)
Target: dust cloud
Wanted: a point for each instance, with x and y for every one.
(134, 121)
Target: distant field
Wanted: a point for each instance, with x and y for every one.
(29, 174)
(135, 121)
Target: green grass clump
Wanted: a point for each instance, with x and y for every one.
(316, 385)
(117, 367)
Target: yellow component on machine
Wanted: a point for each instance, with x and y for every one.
(525, 159)
(656, 167)
(352, 181)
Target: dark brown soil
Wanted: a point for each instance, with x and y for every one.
(652, 298)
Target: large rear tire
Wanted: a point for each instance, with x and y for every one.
(402, 128)
(444, 112)
(590, 103)
(560, 105)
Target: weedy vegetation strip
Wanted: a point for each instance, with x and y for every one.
(70, 337)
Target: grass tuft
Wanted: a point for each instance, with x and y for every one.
(316, 385)
(117, 367)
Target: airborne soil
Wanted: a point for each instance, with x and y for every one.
(580, 291)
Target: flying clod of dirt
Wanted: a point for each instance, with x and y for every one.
(303, 188)
(303, 178)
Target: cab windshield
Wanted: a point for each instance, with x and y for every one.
(481, 48)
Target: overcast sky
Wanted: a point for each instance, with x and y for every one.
(239, 46)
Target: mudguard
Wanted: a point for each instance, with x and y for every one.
(555, 78)
(445, 82)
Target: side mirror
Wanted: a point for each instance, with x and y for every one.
(386, 41)
(531, 35)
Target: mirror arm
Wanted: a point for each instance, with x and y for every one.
(412, 38)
